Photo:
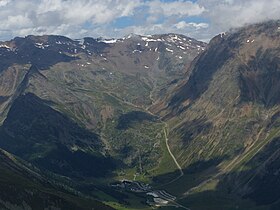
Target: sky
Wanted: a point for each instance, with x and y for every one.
(200, 19)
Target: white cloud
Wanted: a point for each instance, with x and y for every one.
(53, 16)
(15, 22)
(99, 17)
(179, 8)
(165, 17)
(196, 26)
(4, 2)
(236, 13)
(90, 17)
(97, 11)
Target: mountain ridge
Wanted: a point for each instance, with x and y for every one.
(223, 116)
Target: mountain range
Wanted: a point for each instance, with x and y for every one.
(199, 121)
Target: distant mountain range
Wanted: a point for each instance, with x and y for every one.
(197, 120)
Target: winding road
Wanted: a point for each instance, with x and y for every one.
(171, 154)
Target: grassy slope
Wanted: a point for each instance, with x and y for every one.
(146, 137)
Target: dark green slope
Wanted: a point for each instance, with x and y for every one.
(22, 187)
(39, 134)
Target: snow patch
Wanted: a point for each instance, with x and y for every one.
(146, 39)
(4, 46)
(39, 45)
(134, 51)
(81, 41)
(109, 41)
(173, 38)
(222, 34)
(169, 50)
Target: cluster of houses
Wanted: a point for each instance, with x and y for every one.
(154, 197)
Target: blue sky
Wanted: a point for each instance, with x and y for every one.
(200, 19)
